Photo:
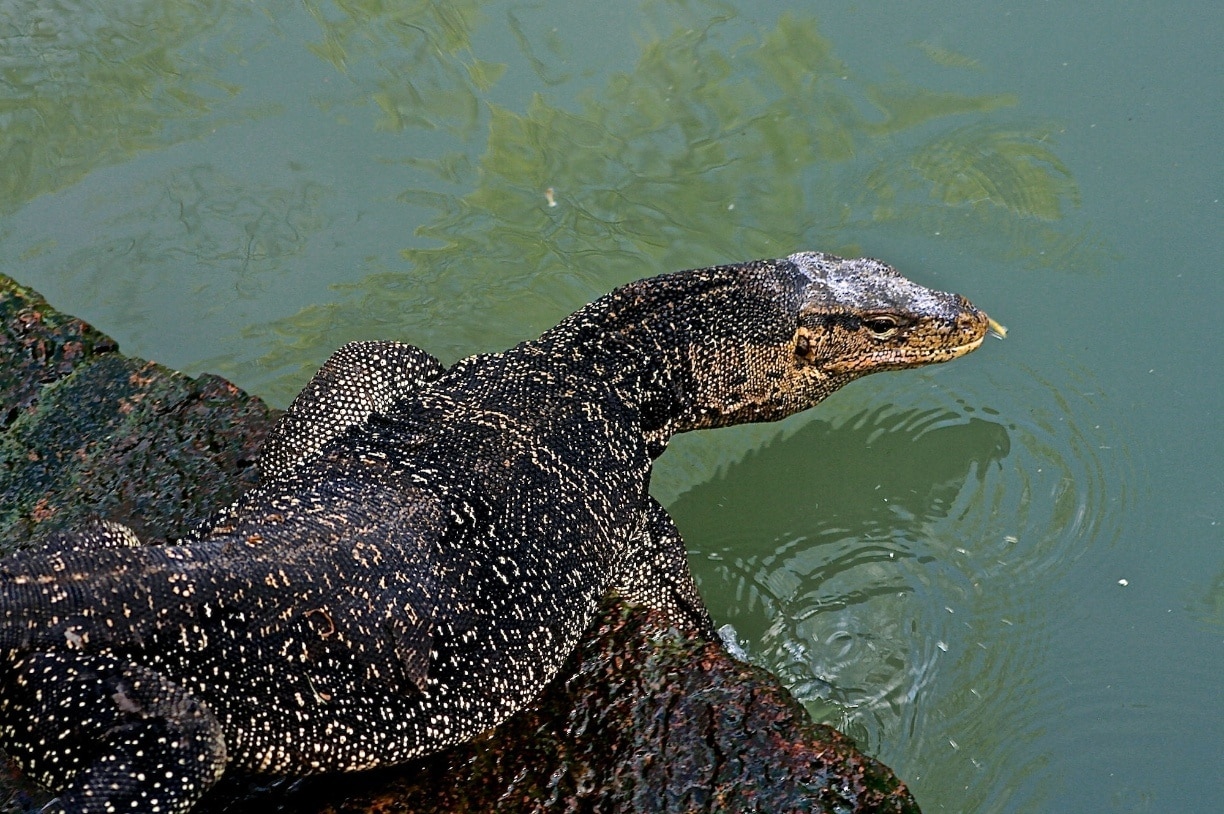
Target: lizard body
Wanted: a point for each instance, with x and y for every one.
(426, 545)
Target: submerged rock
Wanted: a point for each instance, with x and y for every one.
(642, 719)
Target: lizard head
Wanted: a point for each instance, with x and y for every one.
(832, 320)
(762, 340)
(860, 316)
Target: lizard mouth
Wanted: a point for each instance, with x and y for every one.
(978, 327)
(901, 359)
(974, 327)
(968, 347)
(930, 343)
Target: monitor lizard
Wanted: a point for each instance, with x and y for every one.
(427, 544)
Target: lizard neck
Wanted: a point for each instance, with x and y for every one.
(690, 350)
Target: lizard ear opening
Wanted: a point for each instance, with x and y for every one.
(805, 345)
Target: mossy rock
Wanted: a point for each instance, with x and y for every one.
(642, 719)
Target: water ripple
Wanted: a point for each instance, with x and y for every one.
(898, 579)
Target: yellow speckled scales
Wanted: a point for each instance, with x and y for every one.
(426, 545)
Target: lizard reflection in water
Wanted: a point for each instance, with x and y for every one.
(427, 544)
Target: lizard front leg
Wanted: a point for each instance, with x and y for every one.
(108, 735)
(357, 381)
(656, 573)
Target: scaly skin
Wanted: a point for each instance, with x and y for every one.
(427, 545)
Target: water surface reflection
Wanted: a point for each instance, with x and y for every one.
(893, 566)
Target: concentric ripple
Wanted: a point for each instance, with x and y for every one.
(894, 567)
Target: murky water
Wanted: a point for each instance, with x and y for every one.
(1004, 576)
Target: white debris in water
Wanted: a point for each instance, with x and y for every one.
(730, 639)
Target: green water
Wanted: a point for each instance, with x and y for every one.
(1004, 576)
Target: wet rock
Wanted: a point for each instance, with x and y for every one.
(87, 431)
(642, 719)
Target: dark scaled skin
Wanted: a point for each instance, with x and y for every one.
(427, 545)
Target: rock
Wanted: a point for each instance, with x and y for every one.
(87, 431)
(642, 719)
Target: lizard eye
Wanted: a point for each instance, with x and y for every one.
(881, 326)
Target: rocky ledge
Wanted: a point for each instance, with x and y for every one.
(642, 719)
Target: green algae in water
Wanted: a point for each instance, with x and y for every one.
(715, 145)
(87, 95)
